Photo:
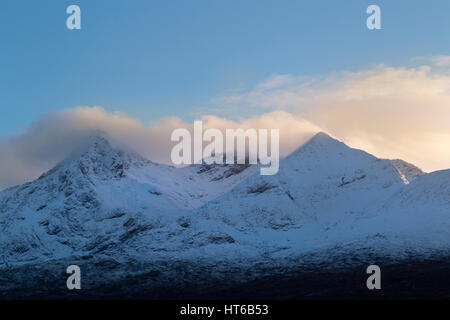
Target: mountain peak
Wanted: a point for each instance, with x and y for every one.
(322, 137)
(101, 155)
(321, 134)
(100, 159)
(98, 144)
(319, 143)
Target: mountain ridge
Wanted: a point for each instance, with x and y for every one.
(327, 200)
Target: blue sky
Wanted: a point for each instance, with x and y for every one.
(153, 59)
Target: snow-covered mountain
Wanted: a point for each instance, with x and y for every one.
(101, 197)
(327, 198)
(324, 180)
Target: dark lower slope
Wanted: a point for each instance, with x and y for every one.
(411, 278)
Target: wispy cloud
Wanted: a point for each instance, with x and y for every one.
(390, 112)
(441, 61)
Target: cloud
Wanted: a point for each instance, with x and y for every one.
(390, 112)
(54, 137)
(441, 61)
